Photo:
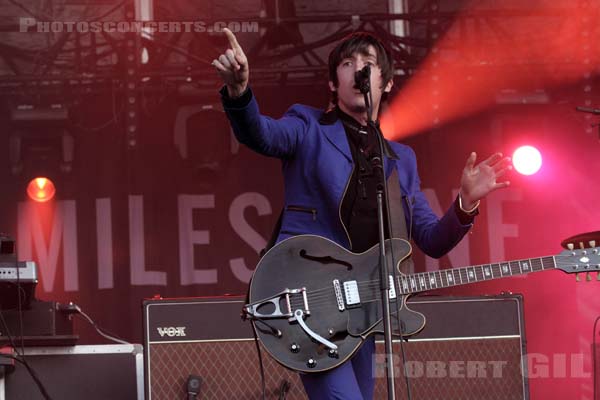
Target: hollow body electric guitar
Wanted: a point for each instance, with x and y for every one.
(314, 303)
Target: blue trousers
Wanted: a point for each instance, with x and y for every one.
(353, 380)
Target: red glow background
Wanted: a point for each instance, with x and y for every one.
(517, 83)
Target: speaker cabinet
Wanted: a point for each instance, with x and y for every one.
(470, 348)
(97, 372)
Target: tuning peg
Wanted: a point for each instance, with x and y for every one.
(588, 277)
(570, 246)
(577, 277)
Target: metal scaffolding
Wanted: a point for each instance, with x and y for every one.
(66, 65)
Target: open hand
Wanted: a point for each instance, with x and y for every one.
(232, 66)
(480, 180)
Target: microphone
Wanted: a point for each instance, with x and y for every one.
(595, 111)
(193, 387)
(362, 79)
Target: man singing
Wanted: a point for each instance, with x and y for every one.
(329, 180)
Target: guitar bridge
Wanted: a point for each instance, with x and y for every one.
(276, 302)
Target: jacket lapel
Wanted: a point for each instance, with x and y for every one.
(337, 136)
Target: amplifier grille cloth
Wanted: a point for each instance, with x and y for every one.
(229, 370)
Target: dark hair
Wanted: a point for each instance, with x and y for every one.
(359, 42)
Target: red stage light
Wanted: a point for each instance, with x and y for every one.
(466, 71)
(527, 160)
(41, 189)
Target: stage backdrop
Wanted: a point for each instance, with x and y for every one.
(186, 211)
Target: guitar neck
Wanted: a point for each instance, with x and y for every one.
(415, 283)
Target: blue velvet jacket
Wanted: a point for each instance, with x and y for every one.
(317, 166)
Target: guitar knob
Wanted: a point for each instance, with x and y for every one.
(311, 363)
(588, 277)
(294, 348)
(333, 353)
(577, 277)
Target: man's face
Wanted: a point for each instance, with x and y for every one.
(350, 99)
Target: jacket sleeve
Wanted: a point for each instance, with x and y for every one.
(271, 137)
(433, 235)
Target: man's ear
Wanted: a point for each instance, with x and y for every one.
(389, 85)
(332, 86)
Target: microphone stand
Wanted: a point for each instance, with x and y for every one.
(378, 168)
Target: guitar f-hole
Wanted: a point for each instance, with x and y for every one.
(325, 259)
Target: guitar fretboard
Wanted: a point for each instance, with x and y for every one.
(420, 282)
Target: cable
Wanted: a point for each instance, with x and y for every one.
(110, 11)
(115, 117)
(5, 325)
(28, 11)
(19, 308)
(21, 359)
(260, 362)
(102, 332)
(594, 350)
(75, 309)
(8, 334)
(283, 389)
(33, 374)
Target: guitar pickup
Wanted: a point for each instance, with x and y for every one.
(351, 294)
(280, 303)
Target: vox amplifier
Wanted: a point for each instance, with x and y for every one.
(470, 348)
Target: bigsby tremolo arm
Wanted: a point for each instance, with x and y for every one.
(251, 310)
(299, 317)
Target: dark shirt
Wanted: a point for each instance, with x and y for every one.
(359, 206)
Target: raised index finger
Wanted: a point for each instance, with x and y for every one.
(232, 40)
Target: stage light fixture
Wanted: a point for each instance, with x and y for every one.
(41, 189)
(527, 160)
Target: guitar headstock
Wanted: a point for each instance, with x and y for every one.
(580, 260)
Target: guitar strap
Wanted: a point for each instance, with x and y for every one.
(398, 221)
